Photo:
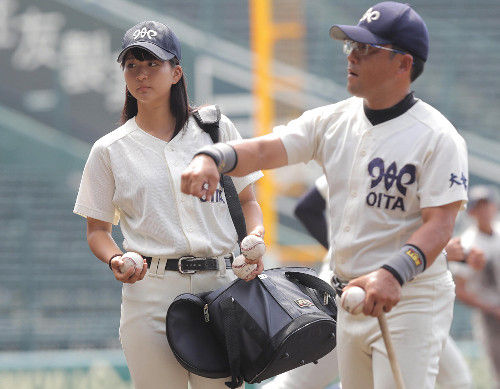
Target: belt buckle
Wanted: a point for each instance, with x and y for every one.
(179, 266)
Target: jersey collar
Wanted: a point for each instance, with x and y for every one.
(377, 116)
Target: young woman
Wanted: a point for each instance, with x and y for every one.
(133, 175)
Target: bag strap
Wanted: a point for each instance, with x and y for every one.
(318, 284)
(234, 205)
(229, 316)
(211, 127)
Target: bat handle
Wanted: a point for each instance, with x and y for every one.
(396, 371)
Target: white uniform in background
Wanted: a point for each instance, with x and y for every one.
(312, 376)
(134, 177)
(379, 178)
(486, 285)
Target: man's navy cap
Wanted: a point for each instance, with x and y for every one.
(388, 22)
(154, 37)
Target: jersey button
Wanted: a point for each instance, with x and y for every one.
(347, 228)
(363, 153)
(354, 193)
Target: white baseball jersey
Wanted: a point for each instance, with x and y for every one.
(379, 177)
(485, 283)
(134, 177)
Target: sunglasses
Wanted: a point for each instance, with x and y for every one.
(363, 49)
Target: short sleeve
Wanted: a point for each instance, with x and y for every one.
(444, 176)
(97, 187)
(228, 132)
(299, 138)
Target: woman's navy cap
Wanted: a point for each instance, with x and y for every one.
(388, 23)
(154, 37)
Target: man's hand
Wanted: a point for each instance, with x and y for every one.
(383, 291)
(200, 178)
(454, 250)
(476, 259)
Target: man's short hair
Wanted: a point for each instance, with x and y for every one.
(418, 64)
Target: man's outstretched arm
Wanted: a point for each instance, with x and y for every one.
(202, 175)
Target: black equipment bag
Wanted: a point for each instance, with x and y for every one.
(251, 331)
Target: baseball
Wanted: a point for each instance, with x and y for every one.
(353, 299)
(130, 259)
(253, 247)
(242, 269)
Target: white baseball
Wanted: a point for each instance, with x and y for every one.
(241, 268)
(253, 247)
(130, 259)
(353, 300)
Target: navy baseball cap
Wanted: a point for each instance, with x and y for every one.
(155, 37)
(385, 23)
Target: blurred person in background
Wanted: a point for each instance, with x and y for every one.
(311, 211)
(478, 284)
(132, 175)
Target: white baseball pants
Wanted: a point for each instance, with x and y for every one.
(151, 363)
(419, 326)
(453, 370)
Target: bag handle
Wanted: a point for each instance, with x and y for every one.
(311, 281)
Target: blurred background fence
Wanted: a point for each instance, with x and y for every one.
(61, 89)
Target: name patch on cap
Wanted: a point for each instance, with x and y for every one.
(143, 32)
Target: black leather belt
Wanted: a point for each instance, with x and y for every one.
(189, 265)
(338, 285)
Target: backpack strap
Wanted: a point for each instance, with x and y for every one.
(208, 119)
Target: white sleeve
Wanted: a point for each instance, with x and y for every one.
(301, 138)
(444, 176)
(228, 132)
(97, 188)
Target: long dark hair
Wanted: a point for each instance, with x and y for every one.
(179, 101)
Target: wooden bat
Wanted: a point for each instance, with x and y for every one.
(396, 371)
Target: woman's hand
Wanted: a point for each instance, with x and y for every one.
(258, 270)
(132, 275)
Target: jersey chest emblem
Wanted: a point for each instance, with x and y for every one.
(386, 177)
(216, 197)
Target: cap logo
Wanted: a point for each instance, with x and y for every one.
(370, 15)
(143, 32)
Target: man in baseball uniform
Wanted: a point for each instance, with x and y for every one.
(453, 370)
(397, 176)
(479, 286)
